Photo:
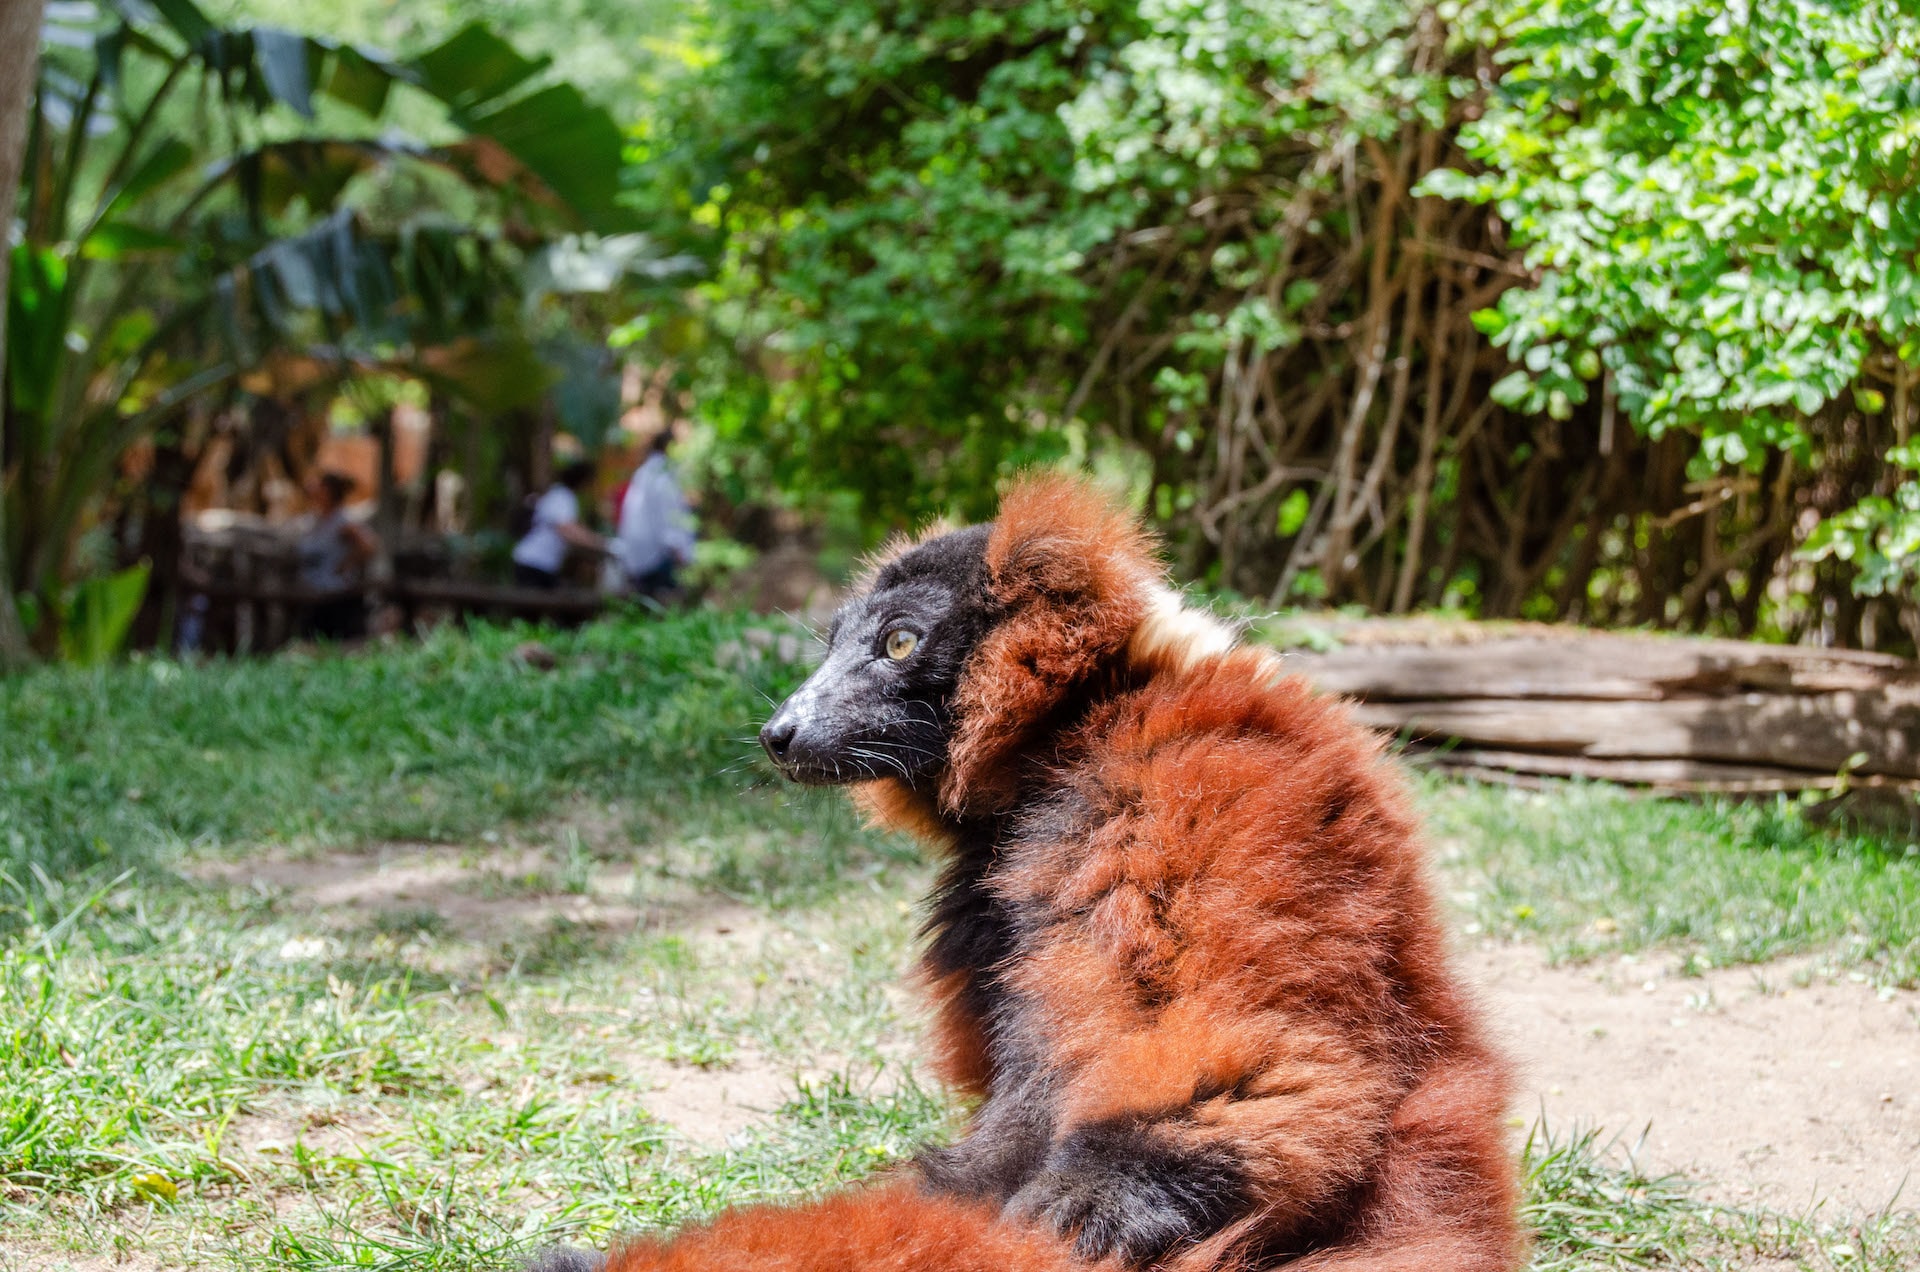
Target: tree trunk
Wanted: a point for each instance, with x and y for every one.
(19, 56)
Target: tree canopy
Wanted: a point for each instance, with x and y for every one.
(1268, 260)
(1548, 308)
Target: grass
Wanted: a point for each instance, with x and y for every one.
(271, 1085)
(203, 1081)
(1592, 1206)
(439, 742)
(1590, 869)
(610, 894)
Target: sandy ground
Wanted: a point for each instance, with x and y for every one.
(1776, 1084)
(478, 896)
(477, 901)
(1781, 1085)
(708, 1107)
(33, 1257)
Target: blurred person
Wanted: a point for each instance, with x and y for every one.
(333, 555)
(556, 530)
(654, 528)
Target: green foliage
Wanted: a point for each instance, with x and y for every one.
(1722, 207)
(607, 50)
(889, 176)
(1184, 244)
(199, 198)
(97, 612)
(1203, 91)
(933, 210)
(1880, 535)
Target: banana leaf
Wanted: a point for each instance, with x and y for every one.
(98, 612)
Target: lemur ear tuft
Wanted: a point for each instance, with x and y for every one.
(1063, 537)
(1072, 573)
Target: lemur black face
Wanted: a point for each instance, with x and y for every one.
(880, 705)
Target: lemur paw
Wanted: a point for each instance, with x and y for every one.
(1116, 1189)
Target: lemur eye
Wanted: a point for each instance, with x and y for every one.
(900, 643)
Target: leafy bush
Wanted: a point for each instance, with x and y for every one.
(1880, 535)
(1722, 206)
(1200, 247)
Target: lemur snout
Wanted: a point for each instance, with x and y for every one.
(777, 736)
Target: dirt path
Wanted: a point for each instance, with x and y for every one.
(33, 1256)
(1771, 1084)
(1776, 1085)
(481, 899)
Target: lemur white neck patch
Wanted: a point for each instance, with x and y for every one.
(1174, 633)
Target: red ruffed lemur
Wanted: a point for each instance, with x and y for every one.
(1183, 953)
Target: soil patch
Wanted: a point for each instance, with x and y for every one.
(480, 899)
(1781, 1085)
(709, 1107)
(1778, 1084)
(33, 1257)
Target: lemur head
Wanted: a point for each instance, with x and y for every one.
(960, 651)
(880, 705)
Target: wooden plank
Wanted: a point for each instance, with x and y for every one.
(568, 602)
(1819, 732)
(565, 602)
(1595, 666)
(263, 591)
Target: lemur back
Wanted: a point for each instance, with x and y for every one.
(1182, 955)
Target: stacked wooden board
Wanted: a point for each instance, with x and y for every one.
(1534, 702)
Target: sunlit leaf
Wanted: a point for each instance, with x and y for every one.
(94, 621)
(183, 16)
(572, 146)
(113, 239)
(359, 81)
(36, 325)
(163, 163)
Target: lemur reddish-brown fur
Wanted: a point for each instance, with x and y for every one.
(1184, 955)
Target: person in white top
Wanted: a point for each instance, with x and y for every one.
(655, 534)
(556, 530)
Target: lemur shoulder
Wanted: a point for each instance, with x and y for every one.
(1182, 954)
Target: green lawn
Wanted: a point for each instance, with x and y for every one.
(1589, 870)
(379, 961)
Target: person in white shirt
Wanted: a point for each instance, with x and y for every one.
(655, 533)
(556, 530)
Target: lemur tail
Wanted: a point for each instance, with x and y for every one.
(1444, 1198)
(1443, 1201)
(890, 1227)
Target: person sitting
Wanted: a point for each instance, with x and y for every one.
(655, 530)
(333, 554)
(556, 530)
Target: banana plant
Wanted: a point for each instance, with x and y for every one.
(197, 197)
